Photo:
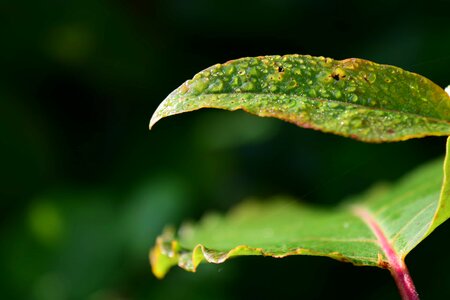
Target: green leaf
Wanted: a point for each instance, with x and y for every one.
(354, 98)
(378, 228)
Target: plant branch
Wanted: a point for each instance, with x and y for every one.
(395, 263)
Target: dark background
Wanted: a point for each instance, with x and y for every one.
(86, 187)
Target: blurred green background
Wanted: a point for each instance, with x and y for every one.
(86, 188)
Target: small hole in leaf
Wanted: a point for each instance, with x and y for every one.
(335, 76)
(280, 69)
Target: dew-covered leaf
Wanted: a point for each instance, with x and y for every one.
(353, 97)
(403, 215)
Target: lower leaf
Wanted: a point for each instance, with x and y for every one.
(403, 215)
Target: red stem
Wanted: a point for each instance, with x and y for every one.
(395, 264)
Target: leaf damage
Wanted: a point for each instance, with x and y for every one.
(354, 98)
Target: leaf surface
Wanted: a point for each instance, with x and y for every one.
(354, 97)
(403, 215)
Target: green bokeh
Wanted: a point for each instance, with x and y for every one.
(85, 187)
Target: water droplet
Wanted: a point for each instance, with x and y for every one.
(372, 77)
(356, 122)
(353, 98)
(312, 93)
(243, 65)
(301, 105)
(291, 103)
(292, 84)
(199, 85)
(351, 88)
(252, 71)
(247, 86)
(216, 86)
(234, 81)
(184, 88)
(228, 69)
(273, 88)
(323, 75)
(297, 71)
(324, 93)
(337, 94)
(371, 102)
(197, 76)
(333, 104)
(253, 61)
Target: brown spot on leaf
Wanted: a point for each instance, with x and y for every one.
(381, 262)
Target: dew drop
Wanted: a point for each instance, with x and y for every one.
(356, 122)
(297, 71)
(216, 86)
(197, 76)
(372, 77)
(324, 93)
(291, 103)
(351, 88)
(301, 105)
(252, 71)
(234, 82)
(371, 102)
(337, 94)
(228, 69)
(292, 84)
(333, 104)
(248, 87)
(353, 98)
(199, 85)
(184, 88)
(273, 88)
(312, 93)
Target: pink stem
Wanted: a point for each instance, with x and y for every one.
(395, 264)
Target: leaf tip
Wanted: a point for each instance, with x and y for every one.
(159, 113)
(154, 119)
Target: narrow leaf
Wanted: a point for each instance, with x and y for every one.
(353, 97)
(378, 228)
